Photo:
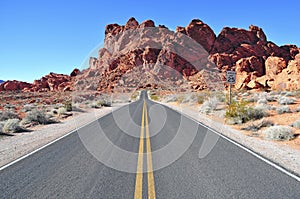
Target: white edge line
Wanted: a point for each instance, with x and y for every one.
(52, 142)
(280, 168)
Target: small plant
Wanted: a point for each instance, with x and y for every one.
(296, 124)
(61, 111)
(12, 126)
(103, 103)
(135, 95)
(297, 109)
(180, 99)
(257, 126)
(241, 113)
(283, 109)
(154, 97)
(27, 107)
(5, 115)
(170, 98)
(36, 116)
(286, 100)
(280, 133)
(68, 105)
(200, 99)
(209, 105)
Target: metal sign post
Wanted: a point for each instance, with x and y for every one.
(230, 79)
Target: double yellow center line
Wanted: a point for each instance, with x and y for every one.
(139, 174)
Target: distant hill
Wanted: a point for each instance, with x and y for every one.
(1, 81)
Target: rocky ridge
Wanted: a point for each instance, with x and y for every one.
(143, 55)
(50, 82)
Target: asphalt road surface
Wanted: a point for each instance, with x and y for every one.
(70, 168)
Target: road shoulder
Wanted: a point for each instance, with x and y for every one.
(12, 148)
(283, 155)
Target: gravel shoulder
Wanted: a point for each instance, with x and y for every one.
(283, 155)
(13, 147)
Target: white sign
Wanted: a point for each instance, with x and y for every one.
(230, 77)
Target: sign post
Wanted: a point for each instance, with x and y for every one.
(230, 79)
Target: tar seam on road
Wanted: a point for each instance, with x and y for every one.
(139, 175)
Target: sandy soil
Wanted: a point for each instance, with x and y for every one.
(13, 147)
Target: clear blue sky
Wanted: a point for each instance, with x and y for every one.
(42, 36)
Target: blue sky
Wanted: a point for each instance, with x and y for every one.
(42, 36)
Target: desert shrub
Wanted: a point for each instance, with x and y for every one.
(278, 133)
(5, 115)
(257, 126)
(297, 109)
(68, 105)
(36, 116)
(292, 93)
(76, 108)
(104, 103)
(135, 95)
(61, 111)
(286, 100)
(27, 107)
(92, 104)
(239, 112)
(262, 101)
(154, 97)
(283, 109)
(200, 99)
(209, 105)
(296, 124)
(246, 94)
(12, 126)
(180, 98)
(170, 98)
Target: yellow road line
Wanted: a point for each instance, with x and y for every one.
(151, 185)
(139, 175)
(138, 193)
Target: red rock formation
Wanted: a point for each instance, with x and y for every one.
(75, 72)
(14, 85)
(176, 59)
(200, 32)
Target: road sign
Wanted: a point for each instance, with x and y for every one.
(230, 77)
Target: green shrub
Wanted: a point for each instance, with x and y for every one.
(239, 111)
(61, 111)
(68, 105)
(200, 99)
(280, 133)
(12, 126)
(36, 116)
(154, 97)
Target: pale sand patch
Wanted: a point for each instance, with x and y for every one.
(21, 144)
(278, 152)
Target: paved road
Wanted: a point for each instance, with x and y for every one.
(66, 169)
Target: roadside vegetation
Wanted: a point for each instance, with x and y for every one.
(256, 113)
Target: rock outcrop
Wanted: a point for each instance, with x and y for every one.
(169, 56)
(50, 82)
(143, 55)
